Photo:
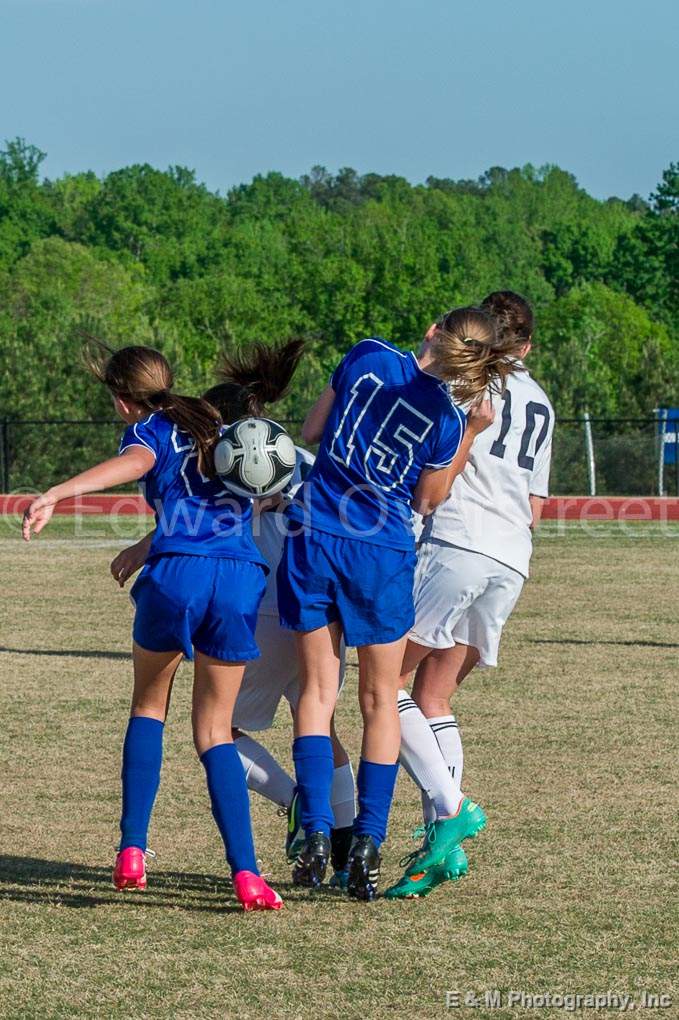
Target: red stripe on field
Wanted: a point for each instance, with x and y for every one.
(611, 508)
(557, 508)
(101, 503)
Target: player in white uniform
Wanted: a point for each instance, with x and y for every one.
(473, 559)
(254, 379)
(276, 675)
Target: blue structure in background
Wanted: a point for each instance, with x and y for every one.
(668, 429)
(668, 446)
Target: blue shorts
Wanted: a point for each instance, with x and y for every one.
(207, 602)
(369, 588)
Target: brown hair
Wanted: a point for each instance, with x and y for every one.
(254, 377)
(513, 317)
(143, 375)
(469, 355)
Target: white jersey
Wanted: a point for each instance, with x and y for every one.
(270, 528)
(488, 510)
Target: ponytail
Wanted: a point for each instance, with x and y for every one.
(513, 318)
(201, 420)
(470, 356)
(263, 373)
(143, 375)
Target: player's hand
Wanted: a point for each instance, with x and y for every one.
(481, 416)
(37, 515)
(127, 563)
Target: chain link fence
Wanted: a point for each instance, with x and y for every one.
(609, 457)
(36, 454)
(604, 457)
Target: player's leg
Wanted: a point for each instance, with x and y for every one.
(375, 603)
(476, 635)
(436, 681)
(420, 752)
(215, 689)
(474, 638)
(142, 758)
(444, 593)
(160, 638)
(343, 800)
(379, 669)
(224, 640)
(263, 774)
(423, 757)
(265, 682)
(307, 605)
(319, 658)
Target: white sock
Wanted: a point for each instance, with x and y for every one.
(343, 797)
(263, 773)
(447, 733)
(428, 808)
(422, 759)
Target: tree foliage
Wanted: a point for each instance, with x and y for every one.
(154, 256)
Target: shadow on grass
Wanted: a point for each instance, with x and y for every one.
(67, 653)
(594, 641)
(65, 883)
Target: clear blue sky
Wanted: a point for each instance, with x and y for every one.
(412, 87)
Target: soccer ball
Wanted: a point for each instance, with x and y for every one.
(255, 457)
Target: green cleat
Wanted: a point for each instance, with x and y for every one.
(445, 834)
(456, 864)
(420, 884)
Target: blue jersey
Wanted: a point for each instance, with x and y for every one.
(194, 515)
(389, 421)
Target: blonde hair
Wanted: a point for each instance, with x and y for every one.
(143, 375)
(469, 355)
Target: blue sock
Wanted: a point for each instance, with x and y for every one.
(142, 758)
(314, 769)
(231, 805)
(375, 792)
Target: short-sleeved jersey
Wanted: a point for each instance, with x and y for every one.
(488, 510)
(194, 515)
(389, 421)
(270, 528)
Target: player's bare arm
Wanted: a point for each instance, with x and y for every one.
(435, 483)
(537, 505)
(130, 466)
(130, 560)
(314, 424)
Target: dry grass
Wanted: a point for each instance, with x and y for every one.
(570, 746)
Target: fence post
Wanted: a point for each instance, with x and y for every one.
(589, 447)
(661, 416)
(5, 456)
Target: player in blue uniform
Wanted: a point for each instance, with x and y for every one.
(252, 380)
(198, 593)
(391, 440)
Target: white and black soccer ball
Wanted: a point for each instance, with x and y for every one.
(255, 457)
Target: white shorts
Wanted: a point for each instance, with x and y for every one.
(462, 597)
(274, 675)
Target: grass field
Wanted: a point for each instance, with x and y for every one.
(571, 746)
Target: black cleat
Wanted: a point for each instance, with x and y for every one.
(341, 840)
(312, 861)
(364, 868)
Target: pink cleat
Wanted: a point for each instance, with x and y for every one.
(253, 893)
(130, 869)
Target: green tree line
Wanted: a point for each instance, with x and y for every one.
(151, 256)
